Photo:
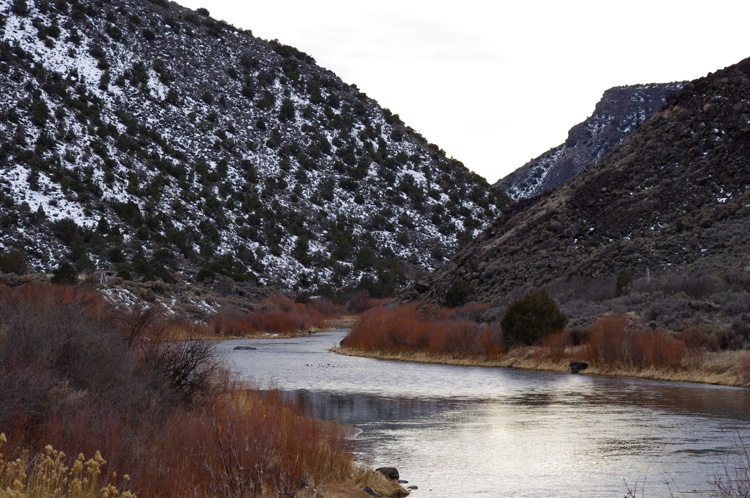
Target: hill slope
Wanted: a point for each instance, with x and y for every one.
(617, 114)
(153, 140)
(673, 196)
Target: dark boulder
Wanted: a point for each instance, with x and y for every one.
(578, 366)
(389, 472)
(244, 348)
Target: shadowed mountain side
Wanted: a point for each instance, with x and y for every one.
(673, 196)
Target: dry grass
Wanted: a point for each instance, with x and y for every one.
(723, 368)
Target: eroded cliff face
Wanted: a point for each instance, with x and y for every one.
(674, 196)
(617, 114)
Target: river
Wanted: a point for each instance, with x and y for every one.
(472, 431)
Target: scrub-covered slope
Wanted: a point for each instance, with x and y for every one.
(152, 140)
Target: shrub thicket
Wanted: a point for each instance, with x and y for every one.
(431, 330)
(81, 376)
(458, 293)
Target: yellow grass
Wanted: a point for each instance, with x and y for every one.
(361, 477)
(47, 476)
(728, 368)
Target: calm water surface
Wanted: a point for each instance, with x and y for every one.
(471, 431)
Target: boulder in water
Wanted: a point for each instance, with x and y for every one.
(389, 472)
(577, 366)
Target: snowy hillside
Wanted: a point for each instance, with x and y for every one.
(155, 141)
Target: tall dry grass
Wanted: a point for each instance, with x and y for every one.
(430, 329)
(49, 475)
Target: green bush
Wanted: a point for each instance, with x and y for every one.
(623, 282)
(531, 317)
(65, 273)
(458, 293)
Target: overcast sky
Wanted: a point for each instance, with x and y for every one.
(495, 84)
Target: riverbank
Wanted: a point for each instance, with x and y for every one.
(726, 368)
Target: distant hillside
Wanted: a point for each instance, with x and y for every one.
(154, 141)
(618, 113)
(674, 196)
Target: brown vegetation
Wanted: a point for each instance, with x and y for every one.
(615, 344)
(430, 329)
(83, 377)
(278, 315)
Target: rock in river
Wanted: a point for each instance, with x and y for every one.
(577, 366)
(389, 472)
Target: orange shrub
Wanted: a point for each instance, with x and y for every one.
(614, 341)
(431, 329)
(278, 316)
(606, 341)
(554, 344)
(249, 444)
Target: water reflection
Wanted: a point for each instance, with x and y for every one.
(458, 431)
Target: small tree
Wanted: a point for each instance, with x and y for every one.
(458, 293)
(13, 262)
(531, 317)
(65, 273)
(20, 7)
(623, 282)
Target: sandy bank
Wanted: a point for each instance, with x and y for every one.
(727, 368)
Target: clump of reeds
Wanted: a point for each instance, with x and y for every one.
(48, 475)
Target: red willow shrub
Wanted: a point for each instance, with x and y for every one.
(433, 330)
(247, 444)
(613, 340)
(279, 315)
(554, 344)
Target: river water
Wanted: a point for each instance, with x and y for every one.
(471, 431)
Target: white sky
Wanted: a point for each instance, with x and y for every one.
(496, 83)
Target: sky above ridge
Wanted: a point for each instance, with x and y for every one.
(495, 84)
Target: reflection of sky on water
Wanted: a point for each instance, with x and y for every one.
(469, 431)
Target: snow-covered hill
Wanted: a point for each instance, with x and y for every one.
(153, 140)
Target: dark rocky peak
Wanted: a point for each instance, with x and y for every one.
(616, 115)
